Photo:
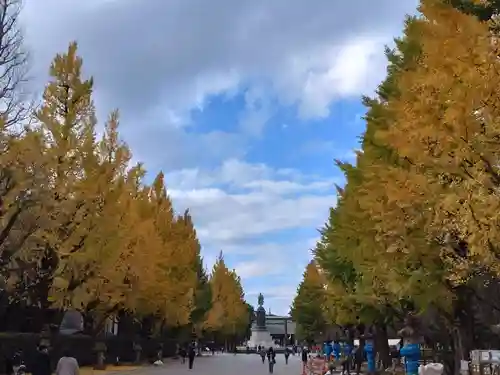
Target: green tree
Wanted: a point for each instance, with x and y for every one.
(251, 318)
(203, 298)
(308, 304)
(483, 10)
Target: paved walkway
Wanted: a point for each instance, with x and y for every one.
(227, 364)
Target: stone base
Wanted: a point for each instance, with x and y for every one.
(262, 338)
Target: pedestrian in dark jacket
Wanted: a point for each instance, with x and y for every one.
(41, 362)
(263, 354)
(305, 358)
(191, 355)
(287, 354)
(9, 365)
(271, 357)
(183, 354)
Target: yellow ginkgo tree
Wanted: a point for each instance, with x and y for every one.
(228, 314)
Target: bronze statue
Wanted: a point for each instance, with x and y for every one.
(260, 314)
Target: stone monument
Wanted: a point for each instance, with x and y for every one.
(260, 334)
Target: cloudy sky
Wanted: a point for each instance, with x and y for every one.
(243, 104)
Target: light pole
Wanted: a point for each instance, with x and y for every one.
(286, 332)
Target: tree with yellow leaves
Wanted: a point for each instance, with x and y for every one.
(438, 214)
(170, 290)
(116, 241)
(23, 185)
(355, 261)
(228, 314)
(80, 228)
(416, 218)
(451, 133)
(93, 233)
(352, 297)
(87, 180)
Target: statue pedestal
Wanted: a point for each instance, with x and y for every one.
(260, 337)
(260, 334)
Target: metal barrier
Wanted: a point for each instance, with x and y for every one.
(316, 366)
(485, 362)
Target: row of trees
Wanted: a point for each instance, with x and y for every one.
(416, 227)
(80, 226)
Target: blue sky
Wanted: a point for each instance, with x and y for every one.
(243, 104)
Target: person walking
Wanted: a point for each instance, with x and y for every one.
(183, 353)
(271, 357)
(305, 357)
(191, 355)
(41, 362)
(263, 354)
(359, 356)
(67, 365)
(347, 357)
(327, 350)
(9, 365)
(395, 358)
(287, 354)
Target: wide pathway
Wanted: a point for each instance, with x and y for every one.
(228, 364)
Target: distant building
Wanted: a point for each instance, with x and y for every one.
(281, 327)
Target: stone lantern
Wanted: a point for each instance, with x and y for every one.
(138, 351)
(100, 349)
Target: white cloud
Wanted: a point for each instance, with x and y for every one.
(257, 268)
(263, 200)
(340, 71)
(182, 52)
(258, 177)
(271, 258)
(225, 217)
(276, 292)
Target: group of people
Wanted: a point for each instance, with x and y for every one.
(40, 363)
(347, 356)
(335, 353)
(189, 352)
(270, 353)
(344, 353)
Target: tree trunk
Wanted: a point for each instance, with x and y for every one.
(382, 346)
(457, 350)
(463, 328)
